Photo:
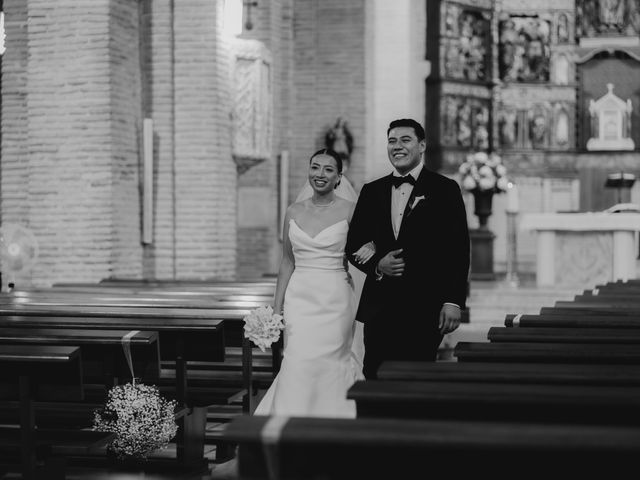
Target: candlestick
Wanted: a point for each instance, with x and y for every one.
(513, 204)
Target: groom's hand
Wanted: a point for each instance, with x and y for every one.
(449, 318)
(392, 264)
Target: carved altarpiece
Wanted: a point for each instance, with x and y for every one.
(459, 99)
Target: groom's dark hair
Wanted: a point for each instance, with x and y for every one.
(331, 153)
(408, 122)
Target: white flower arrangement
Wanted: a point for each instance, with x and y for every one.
(263, 327)
(142, 420)
(483, 172)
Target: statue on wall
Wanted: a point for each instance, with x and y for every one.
(481, 129)
(561, 70)
(562, 128)
(563, 28)
(538, 129)
(450, 111)
(508, 127)
(464, 125)
(611, 14)
(607, 17)
(339, 139)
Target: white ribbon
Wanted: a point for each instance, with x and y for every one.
(516, 320)
(126, 346)
(270, 435)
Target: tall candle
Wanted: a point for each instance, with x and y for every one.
(513, 205)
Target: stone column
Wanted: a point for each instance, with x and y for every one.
(73, 105)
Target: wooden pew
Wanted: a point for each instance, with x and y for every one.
(52, 373)
(45, 298)
(103, 359)
(374, 448)
(553, 320)
(564, 335)
(146, 299)
(185, 339)
(177, 289)
(509, 372)
(246, 371)
(585, 404)
(571, 308)
(232, 318)
(539, 352)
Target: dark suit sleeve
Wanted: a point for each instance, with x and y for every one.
(362, 230)
(458, 247)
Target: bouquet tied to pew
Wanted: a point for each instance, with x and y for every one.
(262, 326)
(141, 418)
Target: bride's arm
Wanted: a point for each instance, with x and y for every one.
(287, 265)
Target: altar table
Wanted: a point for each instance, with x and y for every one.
(584, 249)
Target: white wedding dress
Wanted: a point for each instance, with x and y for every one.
(319, 364)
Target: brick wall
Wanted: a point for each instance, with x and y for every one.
(329, 81)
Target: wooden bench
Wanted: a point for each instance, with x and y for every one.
(374, 448)
(559, 320)
(564, 335)
(509, 372)
(185, 339)
(546, 403)
(243, 367)
(232, 317)
(50, 373)
(103, 357)
(571, 308)
(539, 352)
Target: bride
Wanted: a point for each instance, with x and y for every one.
(317, 297)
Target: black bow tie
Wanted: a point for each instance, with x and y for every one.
(397, 181)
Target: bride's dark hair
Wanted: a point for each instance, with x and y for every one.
(331, 153)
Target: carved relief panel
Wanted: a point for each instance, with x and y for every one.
(466, 43)
(533, 119)
(252, 106)
(465, 122)
(524, 48)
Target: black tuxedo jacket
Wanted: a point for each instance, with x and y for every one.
(435, 240)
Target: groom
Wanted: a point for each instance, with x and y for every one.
(416, 282)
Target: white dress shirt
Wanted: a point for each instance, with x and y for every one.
(400, 197)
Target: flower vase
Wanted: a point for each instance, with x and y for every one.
(482, 203)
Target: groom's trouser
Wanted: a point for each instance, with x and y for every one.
(398, 340)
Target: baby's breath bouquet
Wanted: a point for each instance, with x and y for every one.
(263, 327)
(483, 172)
(142, 420)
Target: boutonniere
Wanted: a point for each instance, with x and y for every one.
(416, 200)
